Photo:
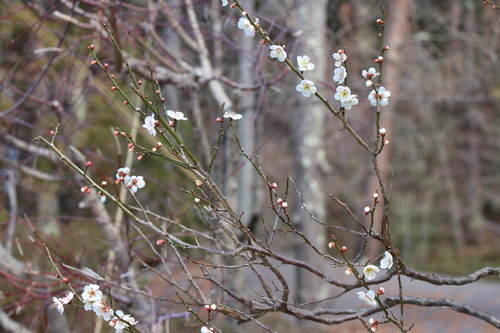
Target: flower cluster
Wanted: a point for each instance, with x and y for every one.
(245, 25)
(132, 182)
(370, 273)
(92, 298)
(343, 93)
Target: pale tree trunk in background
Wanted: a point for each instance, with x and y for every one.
(397, 31)
(247, 192)
(308, 135)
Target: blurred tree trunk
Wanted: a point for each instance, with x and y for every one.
(398, 29)
(308, 135)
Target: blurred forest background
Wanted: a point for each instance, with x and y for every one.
(442, 120)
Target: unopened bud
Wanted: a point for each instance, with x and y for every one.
(379, 21)
(382, 131)
(367, 210)
(348, 271)
(284, 204)
(140, 157)
(343, 249)
(91, 47)
(104, 183)
(106, 65)
(139, 82)
(279, 201)
(331, 245)
(198, 183)
(375, 195)
(386, 48)
(219, 120)
(65, 280)
(113, 88)
(213, 307)
(93, 62)
(380, 58)
(207, 307)
(125, 102)
(196, 200)
(52, 132)
(381, 291)
(273, 185)
(160, 242)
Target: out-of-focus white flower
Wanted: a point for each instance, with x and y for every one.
(245, 25)
(386, 261)
(370, 272)
(306, 87)
(60, 302)
(225, 3)
(150, 124)
(233, 115)
(304, 63)
(368, 298)
(278, 52)
(177, 115)
(339, 74)
(121, 321)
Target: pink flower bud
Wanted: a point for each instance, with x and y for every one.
(380, 58)
(160, 242)
(382, 131)
(379, 21)
(106, 65)
(89, 163)
(284, 204)
(213, 307)
(367, 210)
(279, 201)
(52, 132)
(218, 120)
(348, 271)
(207, 307)
(140, 157)
(104, 183)
(93, 62)
(65, 280)
(91, 47)
(331, 245)
(139, 82)
(273, 185)
(113, 88)
(343, 249)
(125, 102)
(386, 48)
(380, 291)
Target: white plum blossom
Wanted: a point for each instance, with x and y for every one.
(150, 124)
(339, 57)
(339, 74)
(121, 321)
(245, 25)
(103, 310)
(306, 87)
(91, 294)
(368, 298)
(135, 183)
(205, 329)
(382, 97)
(347, 104)
(177, 115)
(233, 115)
(386, 261)
(343, 94)
(370, 73)
(60, 302)
(370, 272)
(278, 52)
(304, 63)
(225, 3)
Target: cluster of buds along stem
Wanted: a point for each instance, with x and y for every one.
(282, 203)
(157, 147)
(210, 307)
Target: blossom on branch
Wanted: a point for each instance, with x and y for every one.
(343, 94)
(368, 298)
(340, 57)
(233, 115)
(91, 294)
(60, 302)
(245, 25)
(370, 272)
(370, 73)
(278, 52)
(150, 124)
(306, 87)
(103, 310)
(177, 115)
(121, 321)
(339, 74)
(381, 97)
(135, 183)
(304, 63)
(386, 261)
